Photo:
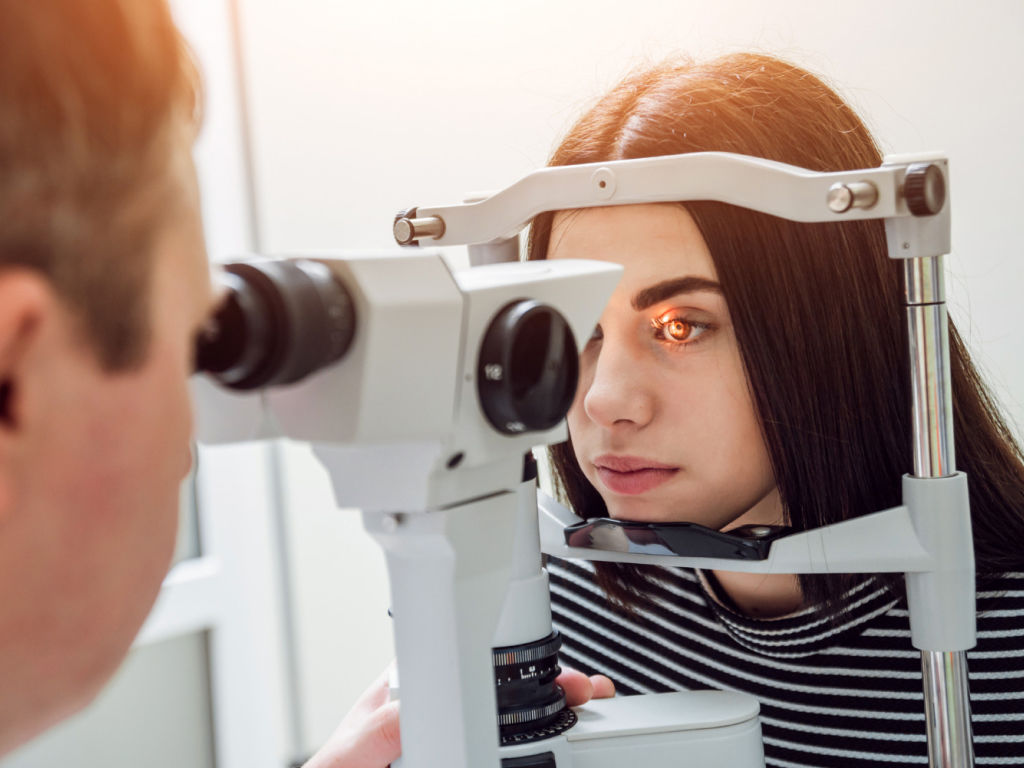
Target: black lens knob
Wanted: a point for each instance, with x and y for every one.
(925, 189)
(528, 368)
(281, 320)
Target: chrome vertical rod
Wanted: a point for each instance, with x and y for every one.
(946, 687)
(927, 331)
(947, 708)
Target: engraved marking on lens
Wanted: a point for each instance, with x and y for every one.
(506, 657)
(517, 674)
(531, 705)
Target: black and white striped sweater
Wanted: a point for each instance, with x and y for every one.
(844, 693)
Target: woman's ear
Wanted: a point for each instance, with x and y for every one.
(26, 298)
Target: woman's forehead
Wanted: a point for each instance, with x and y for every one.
(654, 240)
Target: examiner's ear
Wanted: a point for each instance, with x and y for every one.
(25, 299)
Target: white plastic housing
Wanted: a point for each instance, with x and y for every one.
(885, 541)
(397, 422)
(526, 612)
(942, 601)
(762, 185)
(397, 379)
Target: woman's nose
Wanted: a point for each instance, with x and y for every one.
(618, 390)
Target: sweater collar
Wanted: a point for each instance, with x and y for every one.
(806, 631)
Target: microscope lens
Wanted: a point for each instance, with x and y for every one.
(531, 705)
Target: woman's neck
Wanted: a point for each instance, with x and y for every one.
(761, 595)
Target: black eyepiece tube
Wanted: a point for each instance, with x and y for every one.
(281, 320)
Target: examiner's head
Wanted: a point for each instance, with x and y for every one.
(103, 282)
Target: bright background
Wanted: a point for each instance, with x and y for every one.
(356, 110)
(361, 109)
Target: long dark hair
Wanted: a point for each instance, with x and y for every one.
(816, 309)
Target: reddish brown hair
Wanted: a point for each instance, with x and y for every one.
(95, 100)
(816, 308)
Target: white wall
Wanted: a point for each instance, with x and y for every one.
(155, 712)
(360, 109)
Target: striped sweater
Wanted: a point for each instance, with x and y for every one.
(832, 693)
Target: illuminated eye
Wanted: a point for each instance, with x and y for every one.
(677, 330)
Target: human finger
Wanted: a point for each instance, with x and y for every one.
(373, 742)
(577, 686)
(372, 699)
(603, 687)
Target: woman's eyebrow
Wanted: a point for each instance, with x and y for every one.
(666, 289)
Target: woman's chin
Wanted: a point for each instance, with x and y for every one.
(650, 511)
(637, 511)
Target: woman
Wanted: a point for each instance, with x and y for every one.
(753, 370)
(748, 369)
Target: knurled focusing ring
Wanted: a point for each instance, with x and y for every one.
(531, 705)
(525, 654)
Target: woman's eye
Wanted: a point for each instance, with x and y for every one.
(677, 330)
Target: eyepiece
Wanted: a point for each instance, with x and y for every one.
(280, 321)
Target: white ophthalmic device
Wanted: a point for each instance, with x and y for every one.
(423, 387)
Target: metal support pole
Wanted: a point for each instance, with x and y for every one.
(946, 688)
(928, 334)
(947, 708)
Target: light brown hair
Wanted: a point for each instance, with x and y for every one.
(816, 309)
(95, 99)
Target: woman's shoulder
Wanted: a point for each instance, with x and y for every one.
(1001, 588)
(1000, 597)
(1000, 609)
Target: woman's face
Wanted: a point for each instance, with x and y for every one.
(663, 424)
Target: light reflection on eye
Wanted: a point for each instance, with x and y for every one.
(677, 330)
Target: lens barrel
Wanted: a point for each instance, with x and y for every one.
(531, 705)
(280, 321)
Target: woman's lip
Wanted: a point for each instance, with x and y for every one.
(634, 482)
(628, 463)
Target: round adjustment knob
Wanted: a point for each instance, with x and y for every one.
(924, 189)
(527, 368)
(403, 231)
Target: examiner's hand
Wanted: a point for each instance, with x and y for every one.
(367, 737)
(579, 689)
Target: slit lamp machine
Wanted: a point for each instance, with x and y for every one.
(423, 387)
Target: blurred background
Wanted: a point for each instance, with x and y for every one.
(323, 119)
